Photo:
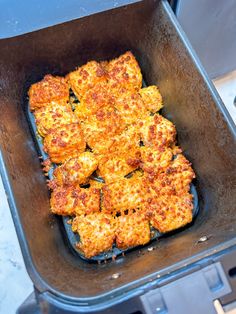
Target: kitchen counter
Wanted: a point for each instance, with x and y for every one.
(15, 284)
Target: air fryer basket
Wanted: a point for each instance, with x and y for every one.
(205, 132)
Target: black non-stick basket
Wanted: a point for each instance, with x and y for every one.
(185, 271)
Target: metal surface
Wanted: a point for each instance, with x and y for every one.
(205, 132)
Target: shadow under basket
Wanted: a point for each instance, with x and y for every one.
(206, 134)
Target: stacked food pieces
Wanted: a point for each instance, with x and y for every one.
(100, 122)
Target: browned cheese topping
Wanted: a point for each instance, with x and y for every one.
(53, 116)
(97, 233)
(132, 230)
(50, 89)
(64, 142)
(73, 200)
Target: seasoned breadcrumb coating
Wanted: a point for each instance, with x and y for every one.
(152, 98)
(175, 180)
(86, 77)
(125, 71)
(64, 143)
(99, 129)
(170, 212)
(127, 141)
(132, 230)
(176, 150)
(122, 195)
(96, 231)
(122, 156)
(75, 170)
(101, 95)
(53, 116)
(96, 184)
(177, 176)
(73, 200)
(157, 131)
(155, 160)
(130, 105)
(117, 165)
(50, 89)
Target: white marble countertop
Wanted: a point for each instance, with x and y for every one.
(15, 284)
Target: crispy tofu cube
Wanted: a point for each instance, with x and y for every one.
(76, 170)
(86, 77)
(157, 131)
(96, 232)
(97, 97)
(128, 140)
(122, 157)
(132, 230)
(73, 200)
(170, 212)
(155, 160)
(124, 194)
(178, 175)
(53, 116)
(99, 129)
(175, 180)
(50, 89)
(152, 98)
(117, 165)
(64, 143)
(130, 105)
(125, 71)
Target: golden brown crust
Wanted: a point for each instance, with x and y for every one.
(155, 160)
(130, 105)
(122, 156)
(99, 96)
(175, 180)
(157, 131)
(132, 230)
(125, 71)
(50, 89)
(117, 165)
(64, 143)
(127, 141)
(99, 129)
(73, 200)
(152, 98)
(75, 170)
(170, 212)
(96, 184)
(53, 116)
(86, 77)
(96, 231)
(124, 194)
